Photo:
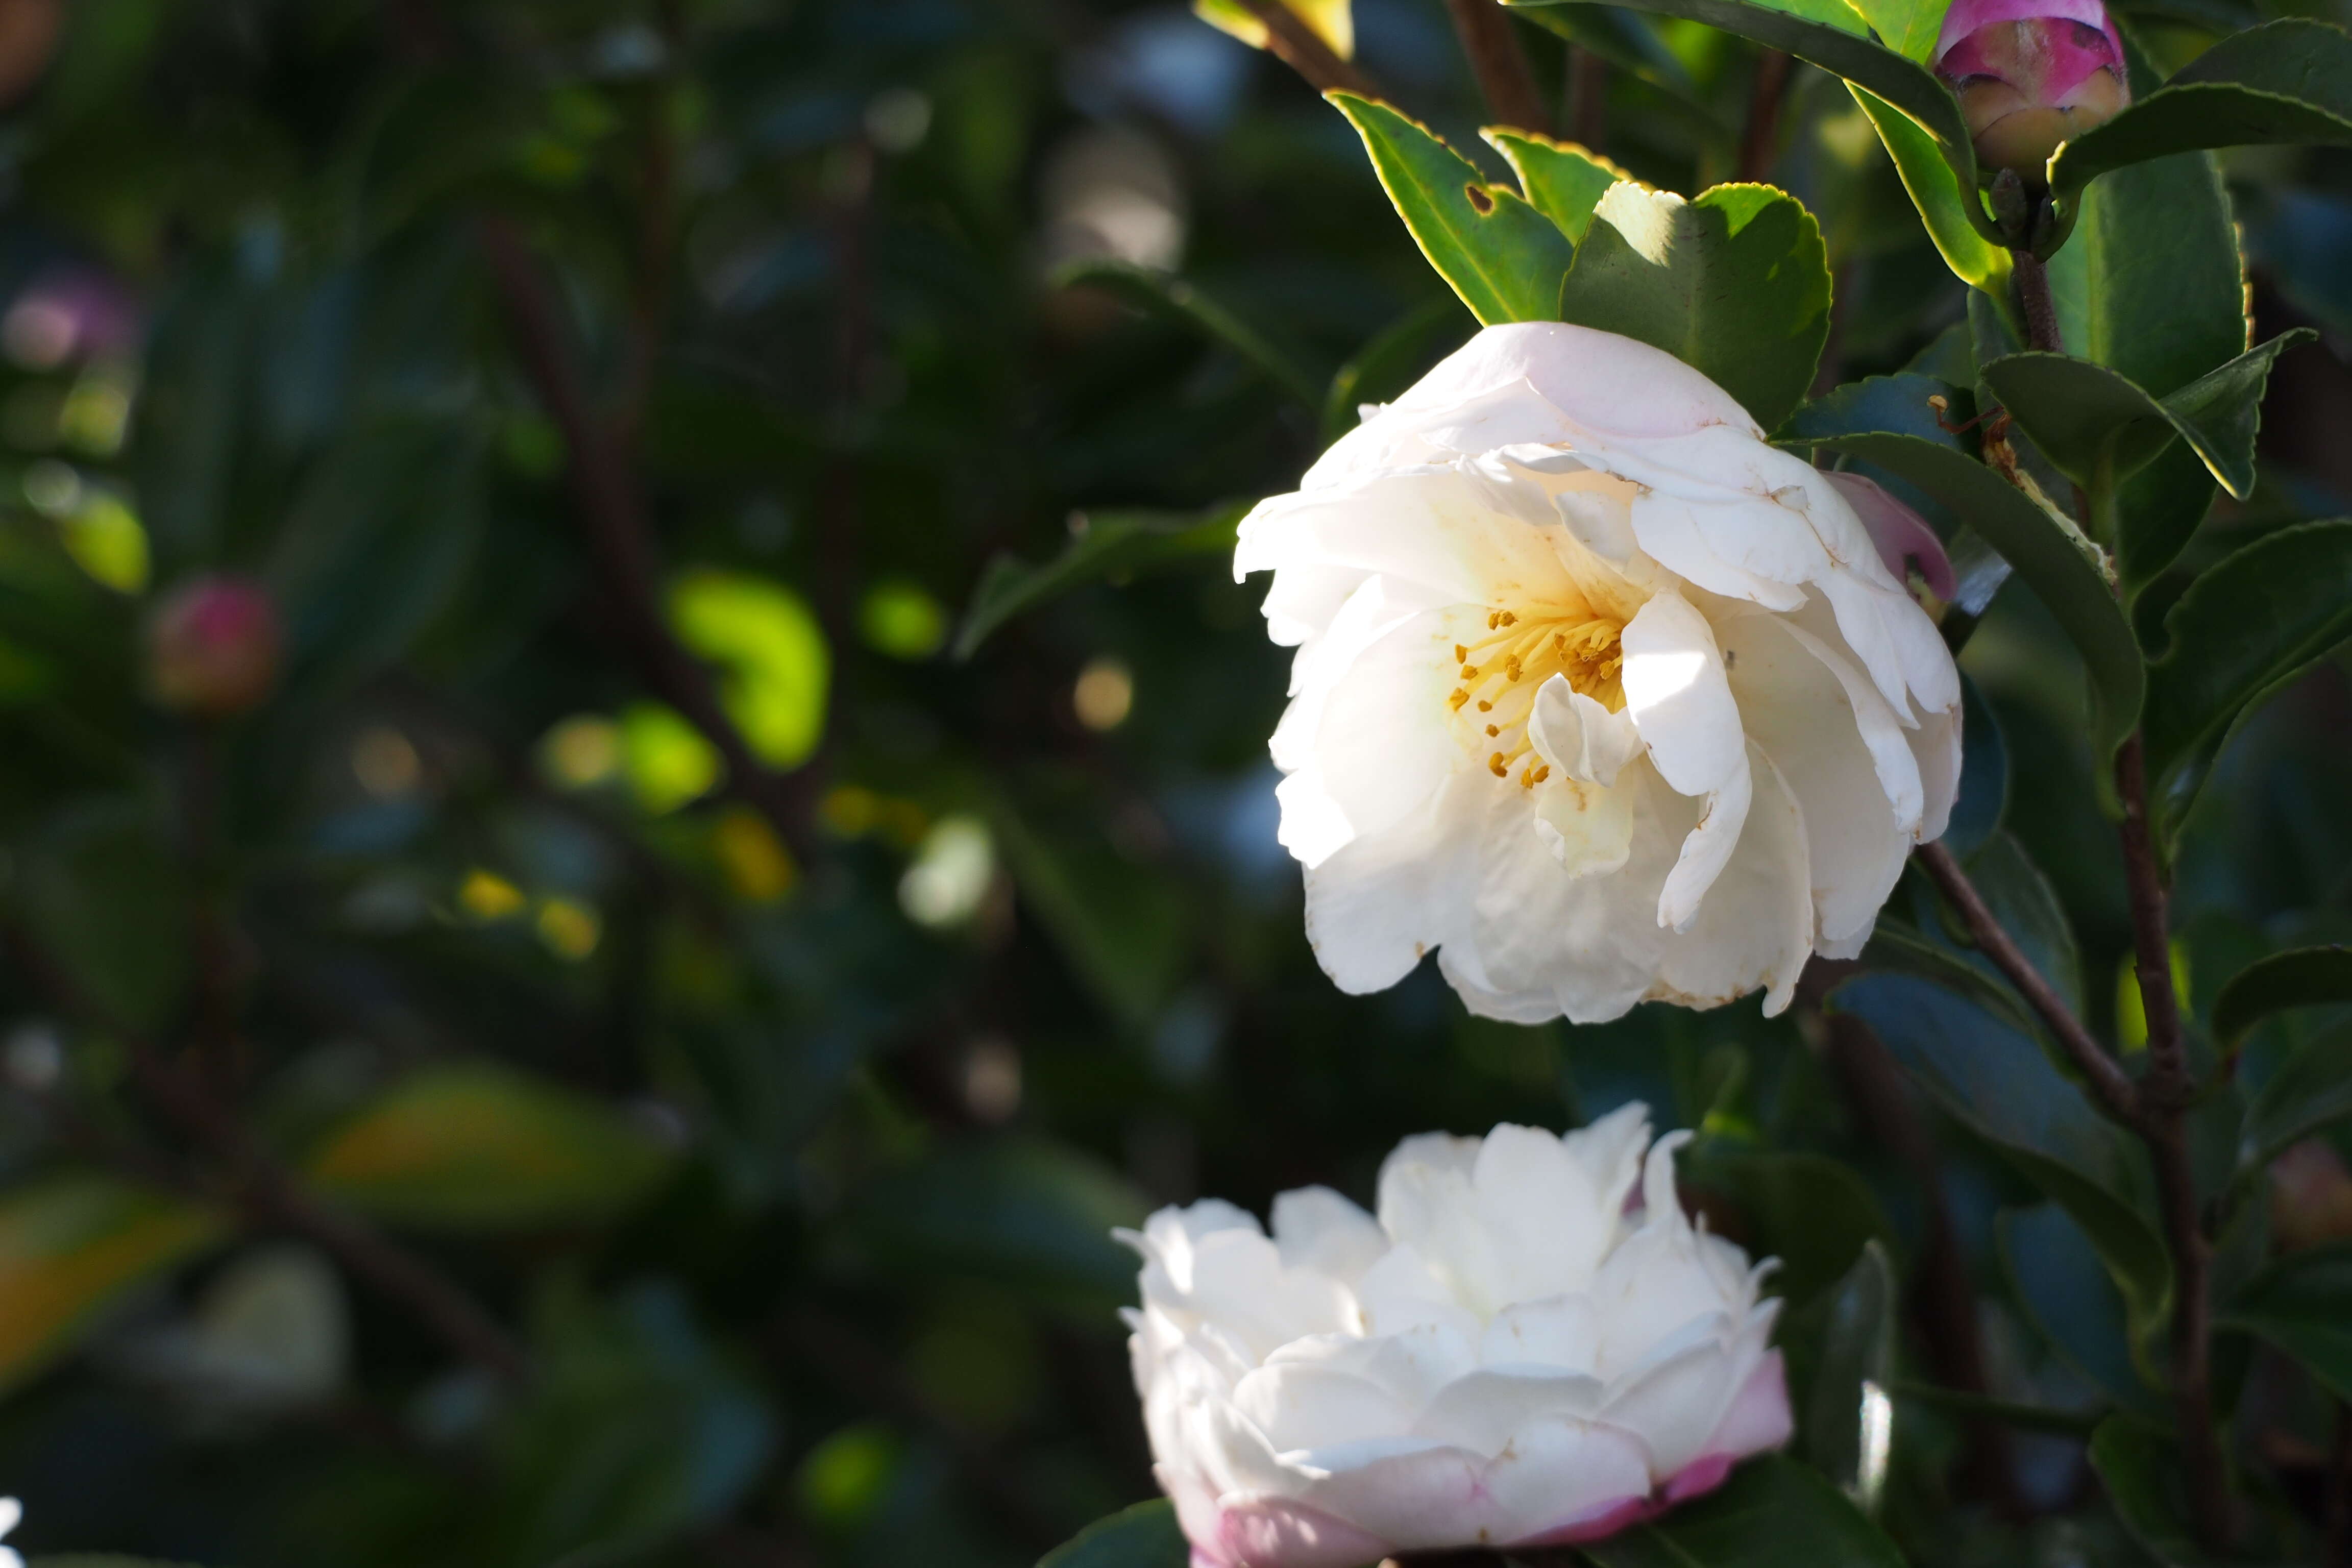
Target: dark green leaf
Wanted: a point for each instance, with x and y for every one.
(1028, 1214)
(1151, 290)
(2288, 82)
(2065, 570)
(2158, 511)
(2243, 627)
(2074, 1423)
(2027, 906)
(1983, 798)
(103, 896)
(473, 1145)
(1902, 951)
(1736, 284)
(2303, 1304)
(1630, 42)
(1120, 929)
(1897, 404)
(1562, 180)
(1909, 87)
(2000, 1084)
(2056, 1278)
(1502, 256)
(1102, 544)
(2083, 416)
(1847, 1418)
(2153, 286)
(2306, 977)
(1144, 1536)
(2309, 1090)
(2139, 1469)
(1773, 1513)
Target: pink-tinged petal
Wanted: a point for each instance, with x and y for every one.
(1758, 1419)
(1698, 1478)
(1599, 1524)
(1965, 16)
(1903, 537)
(1274, 1533)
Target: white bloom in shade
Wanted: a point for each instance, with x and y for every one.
(1507, 1356)
(10, 1512)
(1596, 692)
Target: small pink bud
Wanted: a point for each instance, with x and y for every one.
(2029, 73)
(213, 647)
(1904, 541)
(2310, 1196)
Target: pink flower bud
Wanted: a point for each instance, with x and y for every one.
(2310, 1196)
(1905, 543)
(213, 647)
(2029, 73)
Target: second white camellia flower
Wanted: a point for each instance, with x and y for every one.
(1505, 1356)
(1597, 693)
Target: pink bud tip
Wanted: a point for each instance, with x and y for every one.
(212, 645)
(2031, 74)
(1905, 543)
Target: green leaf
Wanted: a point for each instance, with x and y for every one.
(1562, 180)
(1896, 948)
(2305, 977)
(1630, 43)
(2086, 417)
(2309, 1090)
(1502, 256)
(2065, 570)
(1947, 209)
(1814, 1214)
(1906, 26)
(1735, 284)
(2303, 1304)
(1847, 1417)
(1897, 404)
(2000, 1085)
(1983, 798)
(1144, 1536)
(1774, 1513)
(71, 1246)
(2242, 628)
(2139, 1467)
(1101, 545)
(1156, 292)
(1905, 85)
(2285, 82)
(2027, 906)
(1388, 363)
(767, 641)
(2056, 1278)
(2158, 511)
(2075, 1423)
(2153, 285)
(100, 891)
(474, 1146)
(1120, 929)
(1024, 1213)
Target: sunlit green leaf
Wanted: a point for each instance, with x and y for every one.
(1562, 180)
(767, 640)
(71, 1246)
(665, 759)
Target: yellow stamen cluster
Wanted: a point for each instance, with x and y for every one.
(1502, 671)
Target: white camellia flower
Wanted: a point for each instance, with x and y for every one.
(11, 1513)
(1507, 1356)
(1596, 692)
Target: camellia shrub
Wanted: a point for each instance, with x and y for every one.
(1274, 784)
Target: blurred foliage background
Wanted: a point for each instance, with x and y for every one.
(755, 848)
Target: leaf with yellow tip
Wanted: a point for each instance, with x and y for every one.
(72, 1245)
(1332, 21)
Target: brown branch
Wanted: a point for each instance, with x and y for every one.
(1760, 141)
(2107, 1080)
(2035, 302)
(610, 510)
(1294, 43)
(1499, 64)
(1588, 92)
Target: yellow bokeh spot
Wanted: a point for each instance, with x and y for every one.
(570, 930)
(902, 620)
(487, 895)
(773, 654)
(850, 810)
(1104, 695)
(756, 865)
(96, 412)
(582, 752)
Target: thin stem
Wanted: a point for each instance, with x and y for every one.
(2107, 1080)
(1760, 142)
(1499, 64)
(612, 511)
(1297, 45)
(1588, 91)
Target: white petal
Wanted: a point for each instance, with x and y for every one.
(1401, 1293)
(1707, 851)
(1589, 829)
(1936, 745)
(1375, 907)
(1448, 532)
(1756, 926)
(1480, 1410)
(1308, 1405)
(1315, 1228)
(1578, 736)
(1611, 1152)
(1674, 1405)
(1559, 1332)
(1555, 1478)
(1678, 697)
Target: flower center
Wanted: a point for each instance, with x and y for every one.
(1502, 671)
